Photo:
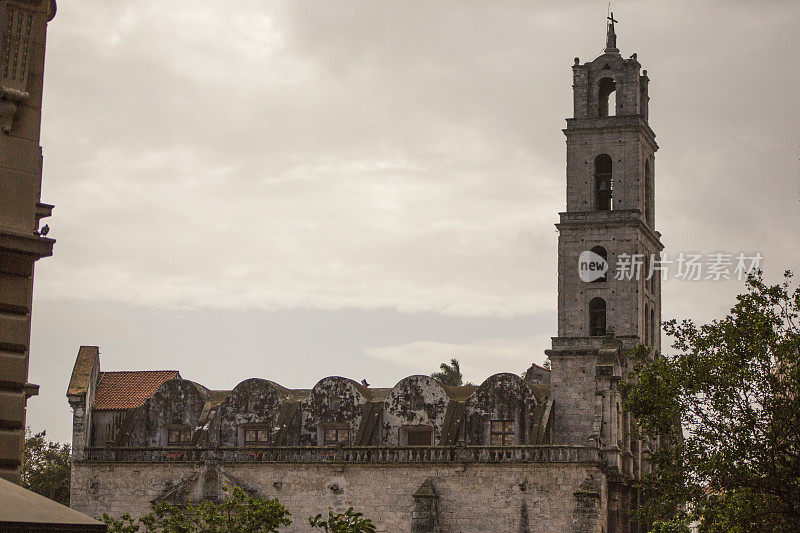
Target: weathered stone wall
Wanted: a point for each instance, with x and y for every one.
(625, 299)
(81, 398)
(414, 401)
(502, 396)
(374, 418)
(177, 402)
(574, 388)
(631, 87)
(253, 401)
(333, 402)
(532, 497)
(628, 144)
(105, 425)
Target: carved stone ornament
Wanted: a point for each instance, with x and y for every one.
(18, 22)
(10, 101)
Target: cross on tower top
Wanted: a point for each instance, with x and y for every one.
(611, 36)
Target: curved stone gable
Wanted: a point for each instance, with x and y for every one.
(178, 403)
(253, 401)
(414, 401)
(334, 401)
(503, 396)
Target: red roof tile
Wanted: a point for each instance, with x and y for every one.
(123, 390)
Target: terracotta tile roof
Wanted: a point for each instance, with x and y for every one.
(123, 390)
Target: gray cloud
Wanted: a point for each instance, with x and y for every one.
(270, 156)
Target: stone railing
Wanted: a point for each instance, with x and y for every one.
(351, 454)
(144, 455)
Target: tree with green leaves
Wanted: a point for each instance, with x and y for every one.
(726, 409)
(238, 513)
(450, 374)
(347, 522)
(46, 467)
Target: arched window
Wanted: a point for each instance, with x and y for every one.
(648, 194)
(599, 250)
(602, 182)
(606, 94)
(597, 317)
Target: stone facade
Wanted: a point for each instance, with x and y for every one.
(551, 450)
(23, 26)
(530, 497)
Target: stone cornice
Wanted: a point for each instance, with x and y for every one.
(614, 218)
(28, 244)
(615, 123)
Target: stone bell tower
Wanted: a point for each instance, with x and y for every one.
(607, 300)
(610, 219)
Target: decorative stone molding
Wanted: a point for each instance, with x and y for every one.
(586, 513)
(18, 22)
(425, 517)
(10, 101)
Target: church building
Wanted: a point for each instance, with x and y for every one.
(549, 451)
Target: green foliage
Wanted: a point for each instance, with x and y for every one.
(239, 513)
(347, 522)
(450, 374)
(126, 524)
(726, 411)
(46, 467)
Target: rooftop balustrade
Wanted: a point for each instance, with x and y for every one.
(348, 454)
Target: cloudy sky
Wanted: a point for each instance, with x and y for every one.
(298, 189)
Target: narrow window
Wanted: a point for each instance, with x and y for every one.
(599, 250)
(335, 436)
(502, 433)
(646, 325)
(653, 280)
(655, 329)
(606, 95)
(597, 317)
(603, 183)
(419, 436)
(648, 194)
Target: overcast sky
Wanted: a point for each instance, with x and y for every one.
(298, 189)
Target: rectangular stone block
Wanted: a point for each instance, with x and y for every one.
(12, 408)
